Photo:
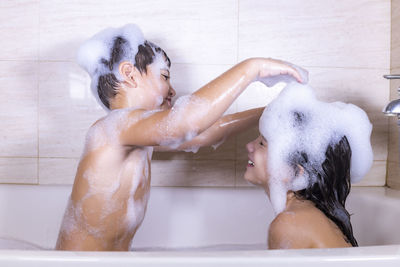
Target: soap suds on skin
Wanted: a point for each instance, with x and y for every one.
(106, 189)
(178, 117)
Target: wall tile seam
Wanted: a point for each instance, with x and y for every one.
(208, 64)
(38, 93)
(369, 185)
(57, 157)
(73, 61)
(392, 45)
(391, 39)
(77, 158)
(237, 31)
(387, 170)
(163, 186)
(211, 185)
(159, 186)
(186, 186)
(203, 185)
(15, 183)
(19, 60)
(18, 157)
(19, 184)
(37, 120)
(253, 187)
(197, 160)
(197, 187)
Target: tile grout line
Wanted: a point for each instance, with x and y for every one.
(37, 97)
(37, 94)
(237, 30)
(390, 94)
(209, 64)
(237, 59)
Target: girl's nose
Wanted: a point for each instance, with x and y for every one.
(250, 147)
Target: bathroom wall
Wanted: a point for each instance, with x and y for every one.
(393, 172)
(47, 105)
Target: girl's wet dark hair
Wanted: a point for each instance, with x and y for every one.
(107, 86)
(331, 186)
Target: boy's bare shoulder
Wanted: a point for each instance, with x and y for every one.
(109, 127)
(120, 118)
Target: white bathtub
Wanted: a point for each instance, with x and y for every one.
(195, 227)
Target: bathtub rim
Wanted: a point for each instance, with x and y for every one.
(388, 255)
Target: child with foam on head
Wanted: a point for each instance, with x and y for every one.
(306, 157)
(131, 79)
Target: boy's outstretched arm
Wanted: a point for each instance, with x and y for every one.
(193, 114)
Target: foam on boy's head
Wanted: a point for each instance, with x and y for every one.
(297, 123)
(96, 57)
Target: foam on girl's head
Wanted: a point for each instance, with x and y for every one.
(95, 54)
(296, 122)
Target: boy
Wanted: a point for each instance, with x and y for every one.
(131, 77)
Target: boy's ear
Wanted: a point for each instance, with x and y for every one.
(299, 170)
(128, 72)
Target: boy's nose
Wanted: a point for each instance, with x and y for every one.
(171, 92)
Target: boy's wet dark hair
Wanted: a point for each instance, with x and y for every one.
(107, 86)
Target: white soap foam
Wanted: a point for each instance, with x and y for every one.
(215, 146)
(107, 130)
(99, 47)
(193, 149)
(179, 116)
(297, 122)
(136, 209)
(69, 221)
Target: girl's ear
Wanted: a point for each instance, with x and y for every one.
(128, 72)
(300, 180)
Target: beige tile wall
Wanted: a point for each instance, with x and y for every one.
(395, 41)
(48, 105)
(393, 167)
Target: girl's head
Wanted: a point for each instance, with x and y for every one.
(312, 148)
(297, 133)
(126, 70)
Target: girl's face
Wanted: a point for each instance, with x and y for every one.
(257, 169)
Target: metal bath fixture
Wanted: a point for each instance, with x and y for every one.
(393, 108)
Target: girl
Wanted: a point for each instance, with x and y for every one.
(307, 154)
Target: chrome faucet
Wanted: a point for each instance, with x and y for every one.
(393, 108)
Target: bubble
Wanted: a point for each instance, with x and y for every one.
(107, 130)
(296, 122)
(95, 54)
(215, 146)
(182, 115)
